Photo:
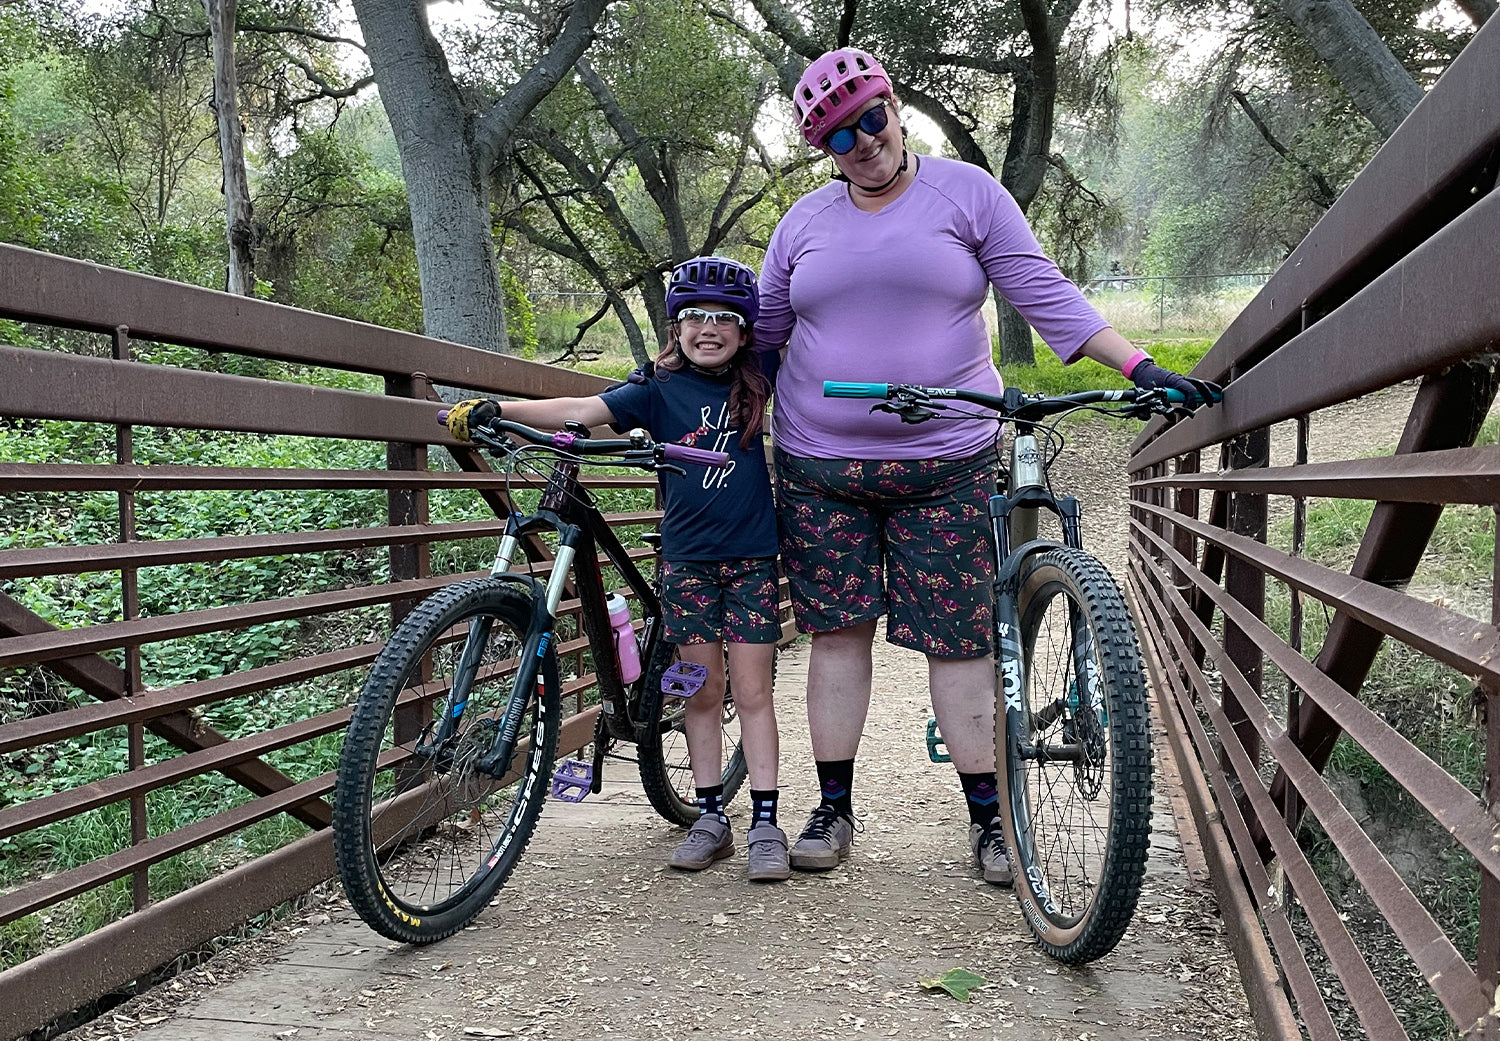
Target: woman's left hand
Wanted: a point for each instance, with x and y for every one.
(1148, 375)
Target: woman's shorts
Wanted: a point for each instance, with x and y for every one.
(862, 538)
(732, 600)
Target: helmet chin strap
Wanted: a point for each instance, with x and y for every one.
(905, 157)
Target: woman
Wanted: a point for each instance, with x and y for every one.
(880, 276)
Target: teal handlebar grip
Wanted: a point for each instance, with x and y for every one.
(1177, 396)
(832, 389)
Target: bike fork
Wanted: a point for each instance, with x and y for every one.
(463, 682)
(538, 646)
(496, 761)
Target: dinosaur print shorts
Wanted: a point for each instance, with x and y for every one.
(862, 538)
(736, 601)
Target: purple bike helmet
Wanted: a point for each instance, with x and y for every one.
(714, 280)
(833, 88)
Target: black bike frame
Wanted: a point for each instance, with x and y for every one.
(581, 532)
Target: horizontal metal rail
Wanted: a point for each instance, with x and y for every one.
(1452, 638)
(72, 560)
(1410, 305)
(52, 290)
(82, 477)
(1457, 475)
(48, 986)
(1325, 920)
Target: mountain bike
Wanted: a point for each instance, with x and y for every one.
(450, 746)
(1072, 737)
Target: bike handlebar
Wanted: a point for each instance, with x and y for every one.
(1013, 404)
(647, 450)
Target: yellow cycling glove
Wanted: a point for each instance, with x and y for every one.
(468, 416)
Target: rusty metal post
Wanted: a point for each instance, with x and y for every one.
(130, 605)
(1488, 955)
(407, 506)
(1247, 584)
(1186, 503)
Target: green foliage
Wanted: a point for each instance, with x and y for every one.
(1051, 376)
(335, 231)
(1198, 188)
(520, 318)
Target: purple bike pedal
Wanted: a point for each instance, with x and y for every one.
(572, 780)
(684, 679)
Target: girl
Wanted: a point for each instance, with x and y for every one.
(718, 535)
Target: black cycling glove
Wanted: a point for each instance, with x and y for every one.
(468, 416)
(1148, 376)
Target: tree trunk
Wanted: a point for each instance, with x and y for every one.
(1028, 152)
(446, 192)
(1016, 345)
(1479, 11)
(1378, 84)
(238, 218)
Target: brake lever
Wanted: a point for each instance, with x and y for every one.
(671, 468)
(487, 438)
(910, 411)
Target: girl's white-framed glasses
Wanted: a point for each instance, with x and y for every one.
(698, 316)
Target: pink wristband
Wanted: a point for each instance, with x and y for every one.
(1128, 369)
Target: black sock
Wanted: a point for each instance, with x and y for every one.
(711, 801)
(763, 806)
(980, 794)
(836, 777)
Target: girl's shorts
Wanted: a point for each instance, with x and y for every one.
(732, 600)
(911, 538)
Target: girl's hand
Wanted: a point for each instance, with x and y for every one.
(468, 416)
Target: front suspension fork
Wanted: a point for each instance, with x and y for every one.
(496, 761)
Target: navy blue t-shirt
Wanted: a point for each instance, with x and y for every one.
(713, 513)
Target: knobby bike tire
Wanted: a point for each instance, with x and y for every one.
(1078, 831)
(405, 823)
(662, 755)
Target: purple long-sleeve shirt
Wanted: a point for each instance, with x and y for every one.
(894, 297)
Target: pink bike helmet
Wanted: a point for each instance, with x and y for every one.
(714, 280)
(834, 86)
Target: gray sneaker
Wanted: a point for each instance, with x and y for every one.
(767, 853)
(708, 840)
(988, 844)
(824, 842)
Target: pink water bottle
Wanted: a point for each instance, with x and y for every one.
(626, 651)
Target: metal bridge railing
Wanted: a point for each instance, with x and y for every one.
(1396, 284)
(97, 676)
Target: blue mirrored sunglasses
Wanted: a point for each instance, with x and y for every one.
(698, 316)
(872, 122)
